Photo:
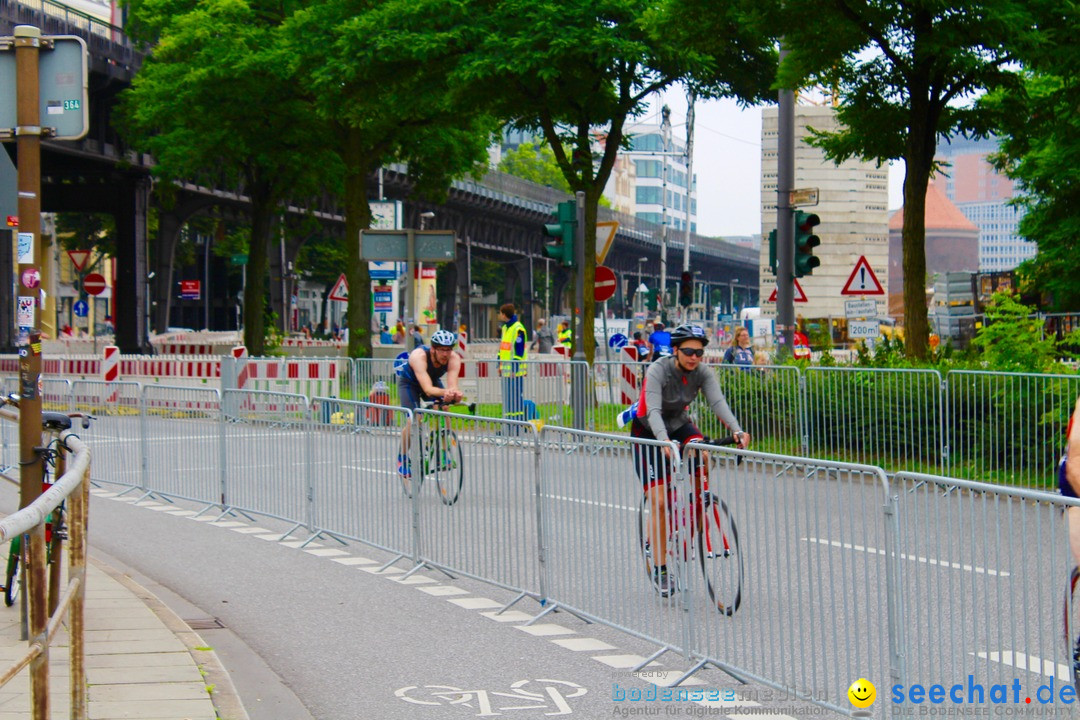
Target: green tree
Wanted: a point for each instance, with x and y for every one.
(535, 164)
(574, 72)
(906, 72)
(377, 73)
(1041, 151)
(321, 259)
(1013, 341)
(213, 104)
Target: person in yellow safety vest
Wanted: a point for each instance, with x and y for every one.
(566, 337)
(512, 369)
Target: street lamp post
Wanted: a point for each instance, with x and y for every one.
(731, 296)
(640, 262)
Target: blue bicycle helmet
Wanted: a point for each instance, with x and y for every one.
(444, 338)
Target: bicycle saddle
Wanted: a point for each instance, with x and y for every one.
(55, 421)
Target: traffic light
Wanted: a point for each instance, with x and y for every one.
(805, 242)
(686, 290)
(651, 297)
(772, 251)
(563, 249)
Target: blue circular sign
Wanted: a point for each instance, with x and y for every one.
(400, 363)
(81, 308)
(618, 340)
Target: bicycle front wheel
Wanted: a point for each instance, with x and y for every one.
(1072, 624)
(442, 458)
(11, 582)
(721, 559)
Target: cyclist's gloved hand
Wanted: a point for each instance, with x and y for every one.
(743, 439)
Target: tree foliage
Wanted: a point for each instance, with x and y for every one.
(907, 73)
(1041, 151)
(212, 105)
(536, 164)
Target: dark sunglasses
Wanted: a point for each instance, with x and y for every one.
(691, 352)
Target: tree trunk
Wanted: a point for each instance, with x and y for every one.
(357, 217)
(919, 158)
(262, 214)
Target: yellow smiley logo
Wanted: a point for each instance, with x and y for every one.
(862, 693)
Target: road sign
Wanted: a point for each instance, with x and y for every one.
(860, 308)
(239, 259)
(81, 308)
(804, 197)
(190, 289)
(94, 284)
(800, 296)
(383, 270)
(64, 102)
(604, 285)
(616, 341)
(862, 281)
(383, 297)
(79, 258)
(431, 245)
(605, 236)
(340, 291)
(401, 362)
(864, 329)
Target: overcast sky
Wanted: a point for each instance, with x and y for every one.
(727, 162)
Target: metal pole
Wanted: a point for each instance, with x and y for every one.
(206, 283)
(665, 134)
(547, 287)
(579, 375)
(691, 97)
(785, 226)
(28, 139)
(410, 265)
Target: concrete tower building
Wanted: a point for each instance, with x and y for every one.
(852, 205)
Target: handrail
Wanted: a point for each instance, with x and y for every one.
(73, 485)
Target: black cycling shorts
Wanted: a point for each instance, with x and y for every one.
(649, 462)
(1063, 482)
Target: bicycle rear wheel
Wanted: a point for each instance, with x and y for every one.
(721, 559)
(1072, 624)
(443, 459)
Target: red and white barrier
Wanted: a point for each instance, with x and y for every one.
(110, 372)
(628, 376)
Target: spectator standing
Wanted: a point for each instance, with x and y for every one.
(543, 339)
(512, 368)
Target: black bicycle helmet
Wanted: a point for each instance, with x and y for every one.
(689, 332)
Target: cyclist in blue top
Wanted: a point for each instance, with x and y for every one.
(659, 342)
(421, 380)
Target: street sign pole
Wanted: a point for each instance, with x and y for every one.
(578, 367)
(28, 140)
(785, 225)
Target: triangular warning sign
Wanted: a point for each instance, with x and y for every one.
(863, 281)
(800, 296)
(605, 235)
(341, 290)
(79, 258)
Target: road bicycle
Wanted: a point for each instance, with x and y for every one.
(440, 453)
(53, 423)
(700, 530)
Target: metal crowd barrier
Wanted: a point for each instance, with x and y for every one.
(490, 531)
(1007, 428)
(985, 573)
(182, 444)
(115, 432)
(891, 418)
(356, 491)
(768, 402)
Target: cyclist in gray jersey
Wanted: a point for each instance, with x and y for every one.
(670, 385)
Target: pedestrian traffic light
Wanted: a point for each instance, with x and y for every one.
(772, 251)
(686, 290)
(563, 249)
(805, 242)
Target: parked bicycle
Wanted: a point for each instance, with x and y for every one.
(53, 424)
(440, 453)
(699, 530)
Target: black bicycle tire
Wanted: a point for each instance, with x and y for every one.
(11, 582)
(447, 481)
(717, 515)
(1072, 630)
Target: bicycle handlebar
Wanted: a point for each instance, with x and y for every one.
(57, 421)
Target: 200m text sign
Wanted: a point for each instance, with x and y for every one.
(863, 329)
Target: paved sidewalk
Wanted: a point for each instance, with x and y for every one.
(142, 660)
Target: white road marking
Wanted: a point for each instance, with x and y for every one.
(416, 580)
(443, 590)
(545, 629)
(591, 502)
(1020, 660)
(476, 603)
(355, 561)
(914, 558)
(583, 644)
(324, 552)
(508, 616)
(249, 530)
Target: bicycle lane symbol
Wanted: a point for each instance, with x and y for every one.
(551, 694)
